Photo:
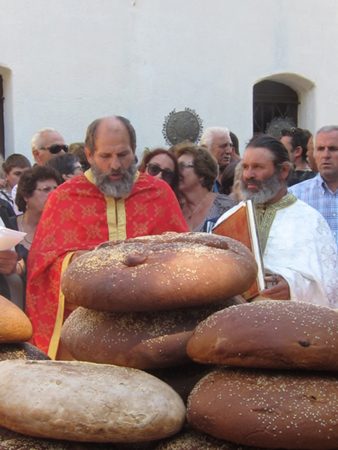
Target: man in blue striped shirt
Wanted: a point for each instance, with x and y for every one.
(321, 192)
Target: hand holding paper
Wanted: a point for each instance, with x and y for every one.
(9, 238)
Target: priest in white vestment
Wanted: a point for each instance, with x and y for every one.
(298, 247)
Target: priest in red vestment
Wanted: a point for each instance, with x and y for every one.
(110, 201)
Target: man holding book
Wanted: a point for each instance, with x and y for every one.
(298, 248)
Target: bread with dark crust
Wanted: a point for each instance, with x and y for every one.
(170, 271)
(267, 409)
(143, 340)
(269, 334)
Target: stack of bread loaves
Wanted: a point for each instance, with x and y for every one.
(279, 388)
(141, 299)
(74, 401)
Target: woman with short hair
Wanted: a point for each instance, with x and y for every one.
(198, 170)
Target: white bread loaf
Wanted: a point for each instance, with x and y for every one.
(87, 402)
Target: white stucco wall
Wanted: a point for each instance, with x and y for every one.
(67, 62)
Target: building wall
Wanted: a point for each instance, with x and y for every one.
(66, 62)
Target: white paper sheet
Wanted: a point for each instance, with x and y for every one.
(9, 238)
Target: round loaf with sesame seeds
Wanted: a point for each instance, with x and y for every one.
(170, 271)
(143, 340)
(267, 409)
(269, 334)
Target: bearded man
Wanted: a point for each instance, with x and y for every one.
(297, 245)
(109, 201)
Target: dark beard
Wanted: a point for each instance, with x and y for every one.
(115, 189)
(268, 189)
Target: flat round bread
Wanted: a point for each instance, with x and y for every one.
(267, 409)
(87, 402)
(269, 334)
(170, 271)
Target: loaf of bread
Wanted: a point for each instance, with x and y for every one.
(269, 334)
(143, 340)
(21, 350)
(14, 324)
(267, 409)
(170, 271)
(87, 402)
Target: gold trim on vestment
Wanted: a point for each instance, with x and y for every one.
(265, 215)
(54, 342)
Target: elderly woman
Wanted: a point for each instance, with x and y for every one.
(161, 163)
(198, 171)
(34, 187)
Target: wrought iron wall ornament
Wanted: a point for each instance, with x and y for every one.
(277, 124)
(181, 125)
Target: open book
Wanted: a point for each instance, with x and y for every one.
(239, 223)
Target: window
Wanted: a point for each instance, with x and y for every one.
(273, 104)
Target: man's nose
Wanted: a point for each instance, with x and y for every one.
(115, 163)
(248, 174)
(326, 152)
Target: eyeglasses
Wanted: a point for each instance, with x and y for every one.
(56, 148)
(46, 189)
(167, 174)
(183, 165)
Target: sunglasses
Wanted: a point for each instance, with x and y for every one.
(56, 148)
(167, 174)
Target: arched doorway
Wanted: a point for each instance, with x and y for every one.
(275, 106)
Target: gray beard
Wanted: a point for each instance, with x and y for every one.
(115, 189)
(268, 189)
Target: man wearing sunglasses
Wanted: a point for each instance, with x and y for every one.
(47, 143)
(109, 201)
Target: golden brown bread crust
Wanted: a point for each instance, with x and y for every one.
(21, 350)
(87, 402)
(143, 340)
(14, 324)
(269, 334)
(267, 409)
(174, 270)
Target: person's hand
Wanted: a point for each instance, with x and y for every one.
(8, 261)
(278, 288)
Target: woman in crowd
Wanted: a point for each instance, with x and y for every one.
(34, 187)
(162, 164)
(198, 170)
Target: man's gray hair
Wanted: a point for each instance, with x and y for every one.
(327, 129)
(36, 139)
(209, 133)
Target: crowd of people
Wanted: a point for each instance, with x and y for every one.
(75, 197)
